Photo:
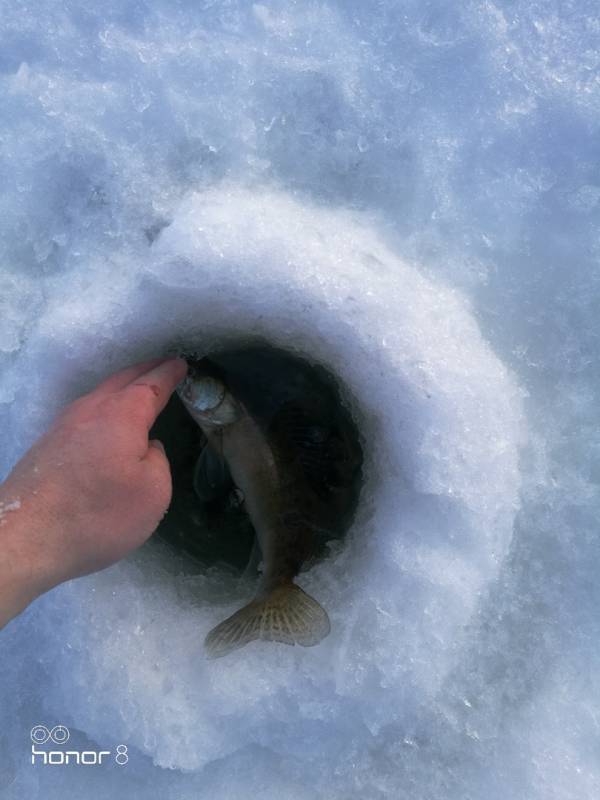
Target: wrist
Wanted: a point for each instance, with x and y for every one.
(24, 570)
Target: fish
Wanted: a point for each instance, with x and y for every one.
(211, 481)
(278, 504)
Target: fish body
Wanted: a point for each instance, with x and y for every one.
(278, 505)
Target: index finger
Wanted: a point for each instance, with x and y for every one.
(150, 391)
(124, 377)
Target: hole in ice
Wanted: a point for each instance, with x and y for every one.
(290, 397)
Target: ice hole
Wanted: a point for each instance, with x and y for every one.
(271, 382)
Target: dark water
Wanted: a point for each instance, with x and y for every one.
(300, 404)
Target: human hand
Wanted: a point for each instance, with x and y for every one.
(93, 488)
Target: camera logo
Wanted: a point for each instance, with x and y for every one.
(40, 734)
(60, 735)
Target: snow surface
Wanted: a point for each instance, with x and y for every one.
(409, 194)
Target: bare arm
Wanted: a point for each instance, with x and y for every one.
(90, 490)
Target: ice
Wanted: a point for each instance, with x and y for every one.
(408, 196)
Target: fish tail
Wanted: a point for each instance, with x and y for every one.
(286, 614)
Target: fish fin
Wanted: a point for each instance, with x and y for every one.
(212, 480)
(287, 614)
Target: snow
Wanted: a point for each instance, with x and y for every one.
(407, 195)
